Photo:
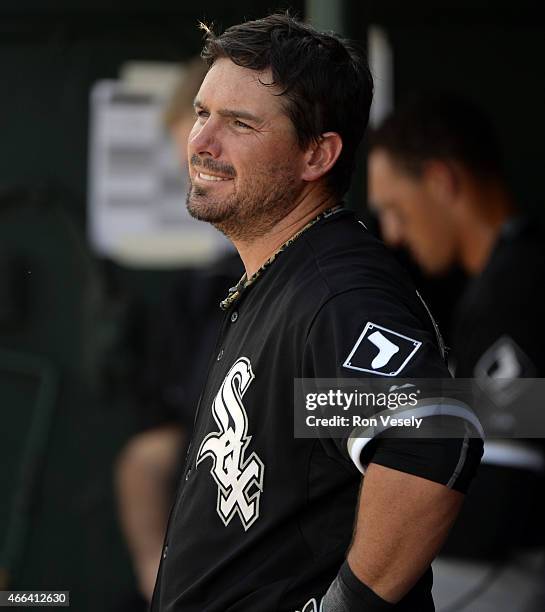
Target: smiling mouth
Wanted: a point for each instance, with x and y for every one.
(211, 177)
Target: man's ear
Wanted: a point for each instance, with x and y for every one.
(321, 156)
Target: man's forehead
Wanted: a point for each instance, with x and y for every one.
(386, 183)
(227, 83)
(381, 163)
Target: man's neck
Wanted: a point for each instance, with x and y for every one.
(256, 252)
(483, 225)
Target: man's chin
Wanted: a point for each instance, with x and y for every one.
(433, 267)
(204, 210)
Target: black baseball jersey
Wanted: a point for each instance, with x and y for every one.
(499, 329)
(498, 337)
(263, 520)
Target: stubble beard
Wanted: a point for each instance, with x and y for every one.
(250, 211)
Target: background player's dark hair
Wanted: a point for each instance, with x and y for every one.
(324, 79)
(441, 126)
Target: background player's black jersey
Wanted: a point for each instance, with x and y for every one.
(498, 336)
(263, 521)
(499, 330)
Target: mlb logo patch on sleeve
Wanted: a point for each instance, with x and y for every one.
(381, 351)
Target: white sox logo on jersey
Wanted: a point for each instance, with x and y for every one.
(235, 474)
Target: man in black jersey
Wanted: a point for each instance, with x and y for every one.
(437, 181)
(264, 521)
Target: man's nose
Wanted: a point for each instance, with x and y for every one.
(205, 139)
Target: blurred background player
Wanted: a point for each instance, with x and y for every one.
(438, 186)
(181, 337)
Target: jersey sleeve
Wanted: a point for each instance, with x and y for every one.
(368, 333)
(372, 335)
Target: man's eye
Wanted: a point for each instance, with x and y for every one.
(243, 125)
(201, 114)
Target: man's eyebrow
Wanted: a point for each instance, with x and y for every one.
(227, 112)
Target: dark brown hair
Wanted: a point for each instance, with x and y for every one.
(444, 126)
